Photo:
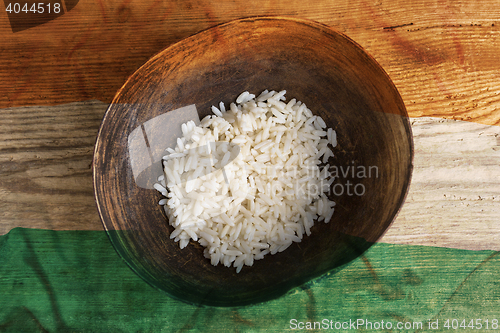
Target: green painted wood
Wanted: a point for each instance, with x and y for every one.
(74, 281)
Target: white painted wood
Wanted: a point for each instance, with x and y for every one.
(453, 201)
(454, 196)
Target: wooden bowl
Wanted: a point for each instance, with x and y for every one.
(317, 65)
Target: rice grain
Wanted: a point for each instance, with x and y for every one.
(264, 199)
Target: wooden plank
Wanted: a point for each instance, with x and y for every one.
(46, 182)
(454, 196)
(440, 54)
(45, 166)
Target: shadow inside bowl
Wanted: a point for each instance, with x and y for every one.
(327, 71)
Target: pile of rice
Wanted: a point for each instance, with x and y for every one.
(264, 199)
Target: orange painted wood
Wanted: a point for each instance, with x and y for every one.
(442, 55)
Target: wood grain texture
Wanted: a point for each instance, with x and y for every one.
(45, 166)
(441, 54)
(454, 197)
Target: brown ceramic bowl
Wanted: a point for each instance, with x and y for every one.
(317, 65)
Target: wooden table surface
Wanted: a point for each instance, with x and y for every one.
(56, 80)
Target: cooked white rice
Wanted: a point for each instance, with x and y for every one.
(264, 199)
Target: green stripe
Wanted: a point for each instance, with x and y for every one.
(74, 281)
